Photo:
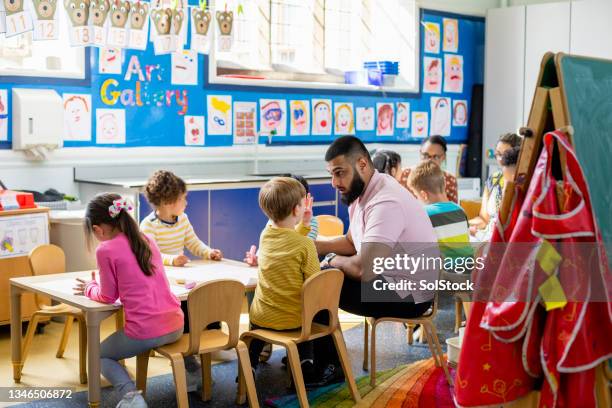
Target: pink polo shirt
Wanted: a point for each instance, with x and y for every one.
(151, 309)
(387, 213)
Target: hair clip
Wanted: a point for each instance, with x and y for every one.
(119, 204)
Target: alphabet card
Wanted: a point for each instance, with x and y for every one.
(79, 31)
(273, 117)
(402, 115)
(77, 117)
(365, 118)
(184, 67)
(384, 119)
(299, 112)
(110, 126)
(139, 26)
(321, 117)
(420, 124)
(194, 130)
(163, 42)
(453, 73)
(200, 26)
(18, 19)
(245, 122)
(119, 16)
(98, 21)
(46, 22)
(219, 114)
(225, 33)
(440, 116)
(344, 118)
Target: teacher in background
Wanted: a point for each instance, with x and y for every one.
(434, 148)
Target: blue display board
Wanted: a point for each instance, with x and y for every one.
(155, 109)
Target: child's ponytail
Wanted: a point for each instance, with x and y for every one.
(111, 209)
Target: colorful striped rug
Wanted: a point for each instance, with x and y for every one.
(420, 384)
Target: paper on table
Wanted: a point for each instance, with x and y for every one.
(204, 273)
(64, 286)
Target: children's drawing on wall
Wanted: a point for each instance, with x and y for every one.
(460, 113)
(119, 16)
(402, 115)
(139, 26)
(194, 130)
(46, 22)
(453, 73)
(344, 118)
(299, 112)
(433, 75)
(18, 19)
(225, 34)
(219, 114)
(245, 122)
(440, 116)
(321, 117)
(79, 32)
(420, 124)
(365, 118)
(451, 35)
(200, 25)
(384, 119)
(110, 126)
(109, 60)
(77, 117)
(273, 117)
(179, 29)
(163, 43)
(98, 21)
(184, 68)
(3, 115)
(432, 37)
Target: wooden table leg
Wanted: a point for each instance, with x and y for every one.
(120, 324)
(93, 320)
(16, 333)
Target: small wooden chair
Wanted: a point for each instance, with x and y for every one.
(45, 260)
(428, 329)
(209, 302)
(320, 292)
(330, 225)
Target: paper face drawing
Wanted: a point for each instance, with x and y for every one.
(453, 73)
(194, 130)
(451, 35)
(402, 115)
(273, 117)
(110, 126)
(109, 60)
(300, 117)
(384, 119)
(460, 113)
(321, 117)
(344, 119)
(432, 82)
(77, 117)
(184, 68)
(3, 115)
(432, 38)
(419, 124)
(219, 114)
(365, 118)
(440, 116)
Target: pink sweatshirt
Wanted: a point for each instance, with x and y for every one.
(151, 309)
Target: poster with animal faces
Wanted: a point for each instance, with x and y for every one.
(200, 26)
(118, 17)
(138, 33)
(432, 38)
(219, 114)
(384, 119)
(98, 21)
(194, 130)
(453, 73)
(440, 116)
(110, 126)
(77, 117)
(451, 35)
(460, 113)
(109, 60)
(273, 117)
(245, 122)
(163, 43)
(344, 118)
(184, 68)
(321, 117)
(365, 118)
(79, 31)
(402, 115)
(420, 123)
(46, 19)
(432, 82)
(3, 115)
(225, 32)
(18, 19)
(179, 28)
(299, 113)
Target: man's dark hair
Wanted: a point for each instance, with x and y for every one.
(349, 146)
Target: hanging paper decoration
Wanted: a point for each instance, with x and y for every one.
(179, 29)
(78, 20)
(117, 33)
(46, 25)
(18, 19)
(139, 26)
(225, 34)
(200, 25)
(161, 18)
(98, 21)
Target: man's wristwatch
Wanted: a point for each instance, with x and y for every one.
(328, 258)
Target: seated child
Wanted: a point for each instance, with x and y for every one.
(286, 259)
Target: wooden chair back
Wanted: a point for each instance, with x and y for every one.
(46, 259)
(214, 301)
(321, 292)
(330, 225)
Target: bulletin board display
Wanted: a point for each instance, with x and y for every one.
(136, 99)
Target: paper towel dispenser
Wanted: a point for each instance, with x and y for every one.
(37, 119)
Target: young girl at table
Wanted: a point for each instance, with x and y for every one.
(131, 270)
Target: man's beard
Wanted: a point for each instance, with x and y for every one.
(355, 189)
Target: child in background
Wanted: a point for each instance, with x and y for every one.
(131, 270)
(388, 162)
(286, 259)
